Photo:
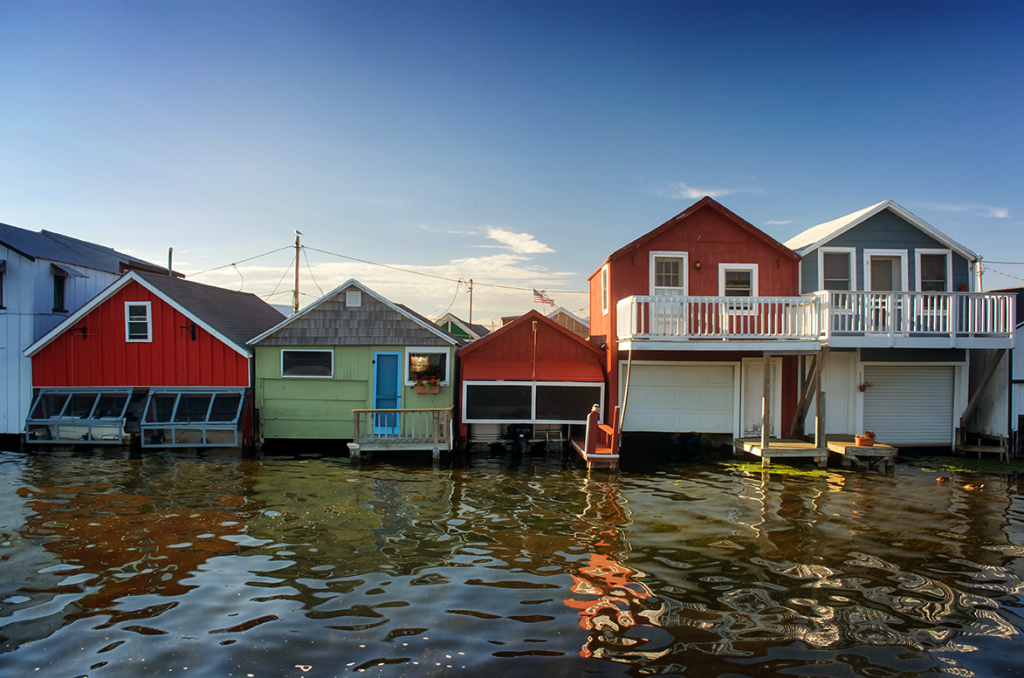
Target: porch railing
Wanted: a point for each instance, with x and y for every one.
(937, 314)
(683, 318)
(408, 429)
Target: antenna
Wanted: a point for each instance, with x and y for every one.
(295, 296)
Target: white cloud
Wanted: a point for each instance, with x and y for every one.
(521, 243)
(681, 190)
(976, 210)
(779, 223)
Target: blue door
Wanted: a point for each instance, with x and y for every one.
(386, 391)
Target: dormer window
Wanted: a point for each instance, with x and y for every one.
(138, 321)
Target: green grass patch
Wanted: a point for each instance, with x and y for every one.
(989, 465)
(776, 467)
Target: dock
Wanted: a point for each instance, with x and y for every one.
(781, 449)
(878, 456)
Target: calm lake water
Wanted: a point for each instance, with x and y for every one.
(499, 565)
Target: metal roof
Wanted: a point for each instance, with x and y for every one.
(56, 247)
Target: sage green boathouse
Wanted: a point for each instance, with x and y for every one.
(352, 349)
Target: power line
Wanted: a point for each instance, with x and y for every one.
(242, 261)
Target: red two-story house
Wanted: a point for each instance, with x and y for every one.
(689, 312)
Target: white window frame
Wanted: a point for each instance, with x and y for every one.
(307, 376)
(904, 275)
(684, 271)
(127, 322)
(410, 350)
(949, 267)
(851, 253)
(723, 268)
(605, 290)
(533, 400)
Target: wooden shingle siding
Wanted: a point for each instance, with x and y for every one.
(373, 323)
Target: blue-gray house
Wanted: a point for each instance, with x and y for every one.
(900, 313)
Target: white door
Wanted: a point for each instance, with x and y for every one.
(753, 395)
(671, 398)
(909, 404)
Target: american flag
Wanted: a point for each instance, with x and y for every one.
(539, 298)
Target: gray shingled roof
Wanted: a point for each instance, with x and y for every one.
(56, 247)
(239, 316)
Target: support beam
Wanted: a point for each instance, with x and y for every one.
(766, 399)
(805, 397)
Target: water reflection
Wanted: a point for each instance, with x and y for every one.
(309, 566)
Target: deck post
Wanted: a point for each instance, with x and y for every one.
(801, 407)
(766, 401)
(353, 452)
(819, 420)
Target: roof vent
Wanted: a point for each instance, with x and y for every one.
(353, 299)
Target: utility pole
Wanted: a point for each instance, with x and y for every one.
(295, 295)
(470, 300)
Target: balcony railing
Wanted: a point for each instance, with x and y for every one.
(684, 318)
(895, 318)
(403, 429)
(916, 314)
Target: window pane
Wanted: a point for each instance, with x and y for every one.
(110, 406)
(49, 405)
(138, 321)
(836, 270)
(193, 407)
(225, 407)
(161, 407)
(933, 273)
(306, 364)
(566, 403)
(737, 283)
(427, 365)
(81, 405)
(499, 402)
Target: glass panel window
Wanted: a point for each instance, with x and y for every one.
(137, 321)
(307, 363)
(81, 405)
(225, 407)
(499, 402)
(604, 289)
(836, 270)
(161, 407)
(425, 365)
(933, 273)
(110, 406)
(566, 403)
(668, 276)
(49, 405)
(193, 407)
(738, 283)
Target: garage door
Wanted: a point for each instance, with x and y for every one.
(909, 404)
(680, 398)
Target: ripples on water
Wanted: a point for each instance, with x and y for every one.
(307, 566)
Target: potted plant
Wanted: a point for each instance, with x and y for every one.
(866, 440)
(426, 385)
(865, 386)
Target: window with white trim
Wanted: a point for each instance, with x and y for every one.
(138, 321)
(604, 290)
(309, 363)
(668, 274)
(423, 363)
(737, 280)
(836, 269)
(934, 270)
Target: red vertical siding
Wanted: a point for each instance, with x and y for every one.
(104, 358)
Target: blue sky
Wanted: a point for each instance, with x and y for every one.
(514, 143)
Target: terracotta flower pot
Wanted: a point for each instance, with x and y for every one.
(863, 441)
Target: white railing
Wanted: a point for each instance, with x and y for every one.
(952, 314)
(683, 318)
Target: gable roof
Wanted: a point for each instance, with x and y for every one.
(467, 327)
(708, 203)
(819, 235)
(398, 308)
(529, 316)
(56, 247)
(572, 315)
(232, 317)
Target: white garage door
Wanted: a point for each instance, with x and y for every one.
(909, 404)
(680, 398)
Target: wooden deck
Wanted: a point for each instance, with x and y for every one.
(781, 449)
(878, 456)
(598, 443)
(402, 429)
(601, 457)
